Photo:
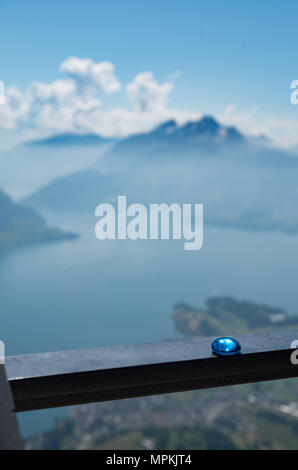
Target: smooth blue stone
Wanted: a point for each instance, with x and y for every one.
(226, 347)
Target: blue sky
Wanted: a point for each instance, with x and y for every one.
(235, 55)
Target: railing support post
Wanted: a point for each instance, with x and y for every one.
(10, 437)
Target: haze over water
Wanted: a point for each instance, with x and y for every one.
(91, 293)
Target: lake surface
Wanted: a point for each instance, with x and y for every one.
(91, 293)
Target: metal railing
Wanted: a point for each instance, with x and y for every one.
(75, 377)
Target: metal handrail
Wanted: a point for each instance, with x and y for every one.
(74, 377)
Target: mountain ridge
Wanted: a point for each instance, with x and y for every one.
(79, 192)
(70, 139)
(20, 225)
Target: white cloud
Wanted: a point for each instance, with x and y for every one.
(147, 94)
(230, 109)
(175, 75)
(87, 73)
(55, 92)
(14, 109)
(64, 104)
(281, 131)
(75, 103)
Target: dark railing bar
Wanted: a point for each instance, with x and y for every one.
(84, 376)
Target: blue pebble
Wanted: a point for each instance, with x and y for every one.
(226, 347)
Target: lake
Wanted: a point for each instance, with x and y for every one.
(90, 293)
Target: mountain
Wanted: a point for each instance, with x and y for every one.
(206, 134)
(25, 168)
(20, 225)
(225, 313)
(81, 191)
(209, 129)
(206, 129)
(243, 183)
(69, 139)
(200, 139)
